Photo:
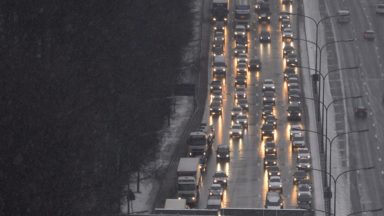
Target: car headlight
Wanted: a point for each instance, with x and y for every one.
(193, 198)
(218, 155)
(289, 114)
(278, 173)
(264, 98)
(214, 69)
(269, 185)
(214, 18)
(190, 153)
(225, 180)
(281, 185)
(299, 114)
(265, 162)
(273, 98)
(274, 162)
(269, 37)
(210, 109)
(269, 17)
(227, 155)
(263, 132)
(215, 180)
(225, 19)
(274, 150)
(240, 132)
(243, 33)
(259, 17)
(230, 132)
(219, 108)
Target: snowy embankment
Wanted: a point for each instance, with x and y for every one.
(312, 9)
(183, 109)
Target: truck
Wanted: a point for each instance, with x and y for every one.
(242, 13)
(197, 144)
(220, 10)
(188, 180)
(175, 204)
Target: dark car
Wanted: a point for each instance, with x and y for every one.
(270, 160)
(240, 49)
(264, 17)
(294, 99)
(289, 71)
(240, 80)
(203, 163)
(269, 98)
(223, 153)
(243, 103)
(261, 6)
(215, 108)
(265, 37)
(219, 26)
(267, 110)
(294, 112)
(270, 147)
(292, 60)
(285, 23)
(273, 171)
(287, 2)
(220, 177)
(284, 15)
(303, 164)
(254, 64)
(288, 49)
(242, 120)
(218, 50)
(304, 201)
(267, 130)
(287, 35)
(215, 85)
(242, 40)
(271, 119)
(300, 175)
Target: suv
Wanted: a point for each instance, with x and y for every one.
(268, 85)
(236, 131)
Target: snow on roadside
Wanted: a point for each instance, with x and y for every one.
(183, 108)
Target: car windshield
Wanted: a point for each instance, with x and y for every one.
(275, 179)
(269, 94)
(237, 127)
(222, 149)
(220, 175)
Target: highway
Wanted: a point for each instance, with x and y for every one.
(364, 149)
(248, 183)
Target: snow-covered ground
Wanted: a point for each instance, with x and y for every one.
(183, 109)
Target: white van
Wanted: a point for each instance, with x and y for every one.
(344, 16)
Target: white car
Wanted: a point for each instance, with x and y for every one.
(274, 183)
(304, 164)
(295, 129)
(214, 202)
(268, 85)
(304, 189)
(236, 131)
(298, 141)
(303, 153)
(287, 34)
(273, 200)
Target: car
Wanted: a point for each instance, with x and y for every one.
(265, 37)
(219, 26)
(219, 67)
(299, 176)
(292, 86)
(236, 110)
(361, 112)
(295, 129)
(273, 200)
(240, 80)
(268, 85)
(216, 190)
(215, 108)
(287, 35)
(288, 49)
(214, 202)
(216, 93)
(220, 177)
(270, 147)
(223, 153)
(254, 64)
(218, 50)
(284, 15)
(218, 99)
(240, 49)
(303, 153)
(217, 43)
(267, 130)
(294, 93)
(294, 112)
(270, 160)
(298, 141)
(294, 99)
(380, 8)
(242, 120)
(203, 163)
(243, 103)
(242, 67)
(303, 164)
(292, 60)
(242, 40)
(264, 17)
(289, 72)
(219, 36)
(240, 30)
(293, 80)
(242, 58)
(304, 201)
(271, 119)
(215, 85)
(274, 183)
(269, 98)
(285, 23)
(304, 189)
(240, 92)
(261, 5)
(273, 171)
(369, 35)
(267, 110)
(287, 2)
(236, 131)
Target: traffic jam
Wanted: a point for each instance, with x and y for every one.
(256, 123)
